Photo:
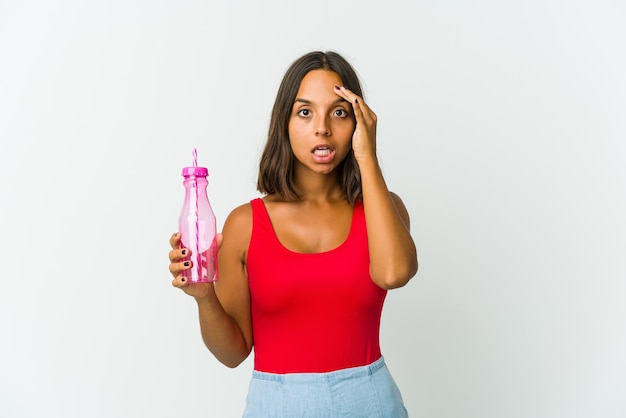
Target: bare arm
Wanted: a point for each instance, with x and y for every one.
(223, 308)
(393, 256)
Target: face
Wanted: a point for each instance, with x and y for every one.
(321, 123)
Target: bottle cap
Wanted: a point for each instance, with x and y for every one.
(195, 171)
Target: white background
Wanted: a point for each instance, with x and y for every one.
(502, 126)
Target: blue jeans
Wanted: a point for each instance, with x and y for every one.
(366, 391)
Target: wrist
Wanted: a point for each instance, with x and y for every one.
(207, 297)
(367, 162)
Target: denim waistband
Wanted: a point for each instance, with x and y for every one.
(342, 374)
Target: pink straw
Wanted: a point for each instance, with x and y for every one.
(197, 266)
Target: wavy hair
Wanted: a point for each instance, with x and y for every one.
(276, 169)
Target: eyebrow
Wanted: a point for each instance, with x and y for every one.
(305, 101)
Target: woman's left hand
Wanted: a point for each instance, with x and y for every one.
(364, 137)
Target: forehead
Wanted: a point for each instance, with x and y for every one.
(319, 81)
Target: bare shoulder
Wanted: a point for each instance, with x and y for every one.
(400, 207)
(237, 230)
(240, 217)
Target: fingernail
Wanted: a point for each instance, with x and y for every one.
(184, 252)
(356, 100)
(337, 88)
(186, 264)
(182, 279)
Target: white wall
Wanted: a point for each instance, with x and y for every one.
(502, 126)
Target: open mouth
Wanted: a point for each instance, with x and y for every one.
(323, 151)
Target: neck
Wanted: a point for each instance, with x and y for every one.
(319, 187)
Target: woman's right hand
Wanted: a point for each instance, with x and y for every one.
(180, 261)
(223, 306)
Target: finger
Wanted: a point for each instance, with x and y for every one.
(358, 111)
(180, 281)
(364, 122)
(175, 240)
(179, 253)
(350, 96)
(177, 268)
(358, 104)
(368, 114)
(345, 93)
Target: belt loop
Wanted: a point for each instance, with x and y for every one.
(377, 365)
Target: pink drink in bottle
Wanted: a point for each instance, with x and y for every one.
(197, 225)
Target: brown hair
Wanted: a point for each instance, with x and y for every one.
(277, 160)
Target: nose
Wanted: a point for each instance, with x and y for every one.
(322, 126)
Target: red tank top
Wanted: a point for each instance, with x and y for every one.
(312, 313)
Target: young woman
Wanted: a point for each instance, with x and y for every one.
(304, 271)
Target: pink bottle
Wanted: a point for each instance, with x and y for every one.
(197, 225)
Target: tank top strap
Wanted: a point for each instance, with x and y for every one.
(257, 206)
(258, 209)
(260, 218)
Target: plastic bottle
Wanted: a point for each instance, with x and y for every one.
(197, 226)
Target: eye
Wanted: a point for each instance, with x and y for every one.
(304, 112)
(342, 113)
